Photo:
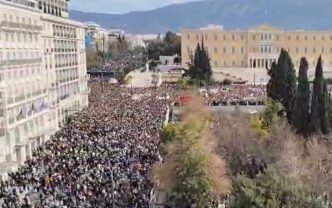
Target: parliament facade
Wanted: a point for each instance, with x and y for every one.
(257, 47)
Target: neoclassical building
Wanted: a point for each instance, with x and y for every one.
(43, 75)
(257, 47)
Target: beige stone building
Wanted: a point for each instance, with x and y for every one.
(257, 47)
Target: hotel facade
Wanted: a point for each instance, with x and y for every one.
(43, 75)
(257, 47)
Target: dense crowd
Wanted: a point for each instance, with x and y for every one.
(101, 158)
(125, 62)
(236, 94)
(223, 95)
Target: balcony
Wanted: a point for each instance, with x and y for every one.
(20, 26)
(20, 62)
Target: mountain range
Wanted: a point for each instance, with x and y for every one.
(231, 14)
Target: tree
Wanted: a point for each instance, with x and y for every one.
(173, 44)
(272, 189)
(93, 59)
(169, 46)
(318, 117)
(301, 107)
(193, 174)
(199, 66)
(156, 49)
(282, 84)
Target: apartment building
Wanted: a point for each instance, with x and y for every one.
(42, 75)
(257, 47)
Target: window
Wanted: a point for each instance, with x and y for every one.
(188, 37)
(215, 37)
(314, 50)
(242, 50)
(233, 50)
(297, 50)
(225, 63)
(314, 38)
(242, 37)
(289, 37)
(215, 50)
(233, 37)
(254, 37)
(305, 37)
(224, 37)
(277, 37)
(323, 50)
(297, 37)
(306, 50)
(197, 37)
(224, 50)
(323, 37)
(215, 63)
(233, 63)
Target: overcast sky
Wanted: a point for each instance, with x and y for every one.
(119, 6)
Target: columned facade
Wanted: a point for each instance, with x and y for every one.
(257, 47)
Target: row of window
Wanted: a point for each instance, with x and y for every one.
(19, 37)
(65, 91)
(225, 50)
(64, 45)
(267, 49)
(254, 63)
(66, 75)
(64, 31)
(262, 37)
(62, 60)
(21, 73)
(19, 19)
(19, 55)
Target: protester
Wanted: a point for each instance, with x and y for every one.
(101, 158)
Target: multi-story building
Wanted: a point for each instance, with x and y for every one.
(257, 47)
(42, 75)
(100, 37)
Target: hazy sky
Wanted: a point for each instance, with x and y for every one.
(119, 6)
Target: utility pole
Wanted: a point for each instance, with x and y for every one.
(102, 73)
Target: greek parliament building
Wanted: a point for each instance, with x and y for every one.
(43, 75)
(257, 47)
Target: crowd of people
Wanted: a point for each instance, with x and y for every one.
(104, 155)
(224, 95)
(236, 95)
(101, 158)
(123, 63)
